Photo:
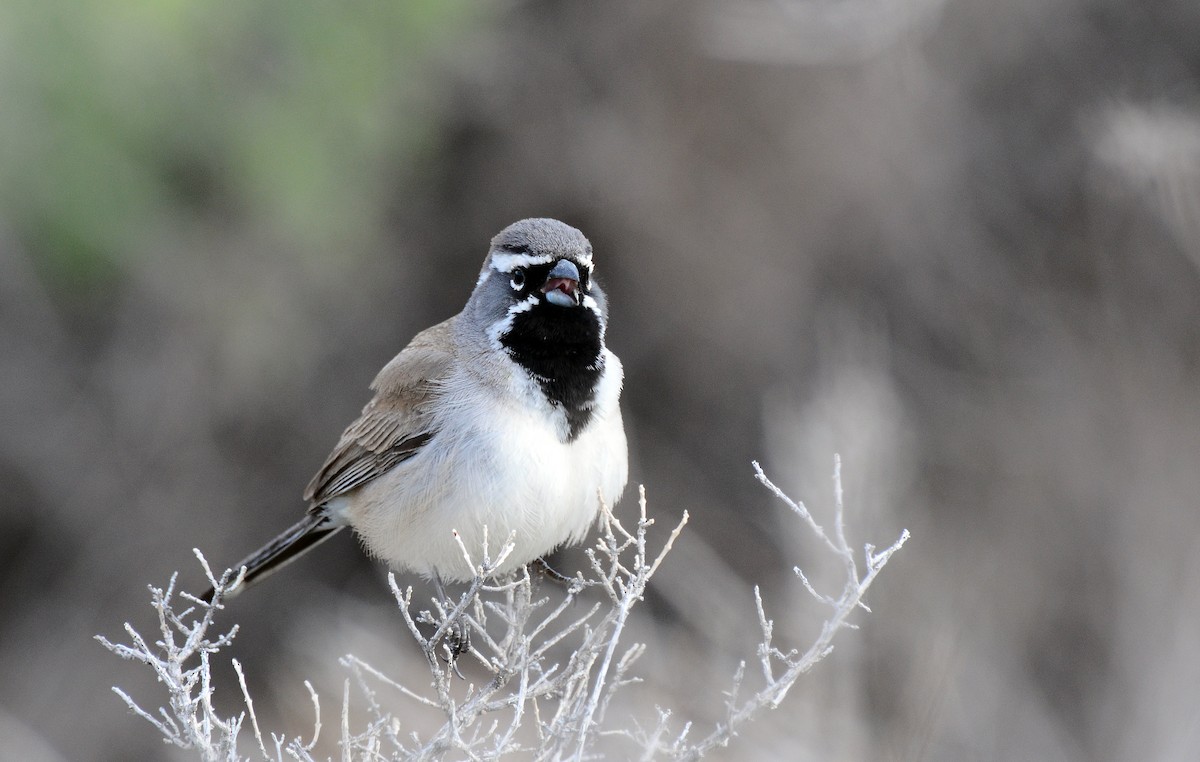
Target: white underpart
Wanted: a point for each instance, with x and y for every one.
(499, 460)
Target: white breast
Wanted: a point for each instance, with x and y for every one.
(497, 460)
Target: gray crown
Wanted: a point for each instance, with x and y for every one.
(543, 236)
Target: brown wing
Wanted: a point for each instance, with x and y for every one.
(395, 424)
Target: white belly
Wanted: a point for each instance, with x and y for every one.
(506, 470)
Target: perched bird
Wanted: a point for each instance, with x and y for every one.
(505, 416)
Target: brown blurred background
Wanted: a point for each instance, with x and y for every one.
(957, 241)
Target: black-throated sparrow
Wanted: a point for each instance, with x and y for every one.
(505, 416)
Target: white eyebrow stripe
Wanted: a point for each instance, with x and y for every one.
(506, 263)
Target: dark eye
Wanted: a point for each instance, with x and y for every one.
(518, 278)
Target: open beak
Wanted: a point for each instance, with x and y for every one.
(562, 284)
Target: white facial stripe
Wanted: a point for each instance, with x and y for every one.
(506, 263)
(501, 327)
(525, 305)
(594, 306)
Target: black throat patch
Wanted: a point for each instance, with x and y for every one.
(560, 347)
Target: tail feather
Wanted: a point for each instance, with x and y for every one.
(294, 542)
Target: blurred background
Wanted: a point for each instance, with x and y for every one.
(956, 241)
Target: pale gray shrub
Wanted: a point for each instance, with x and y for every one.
(555, 667)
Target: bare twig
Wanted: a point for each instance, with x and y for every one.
(555, 668)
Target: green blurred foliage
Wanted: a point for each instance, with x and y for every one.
(122, 122)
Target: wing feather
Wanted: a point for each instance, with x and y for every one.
(395, 424)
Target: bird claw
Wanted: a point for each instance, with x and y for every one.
(455, 643)
(549, 572)
(457, 639)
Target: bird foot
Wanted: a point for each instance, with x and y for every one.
(550, 573)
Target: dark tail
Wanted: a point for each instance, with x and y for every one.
(297, 540)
